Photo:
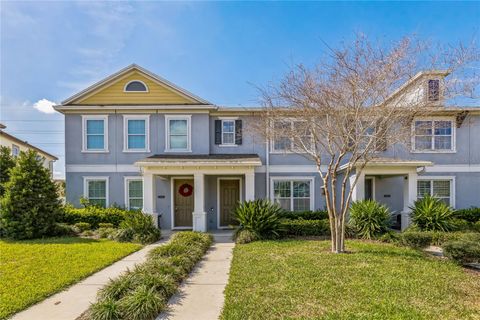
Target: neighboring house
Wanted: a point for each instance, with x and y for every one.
(137, 140)
(16, 145)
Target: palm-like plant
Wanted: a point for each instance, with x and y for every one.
(431, 214)
(369, 218)
(260, 217)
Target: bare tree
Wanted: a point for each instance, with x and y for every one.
(362, 97)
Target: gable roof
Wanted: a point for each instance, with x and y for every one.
(26, 144)
(134, 67)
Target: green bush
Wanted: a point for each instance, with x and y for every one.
(245, 236)
(64, 230)
(471, 215)
(93, 215)
(306, 215)
(7, 162)
(30, 206)
(260, 217)
(79, 227)
(431, 214)
(462, 251)
(142, 293)
(105, 232)
(306, 227)
(415, 239)
(140, 226)
(105, 225)
(369, 219)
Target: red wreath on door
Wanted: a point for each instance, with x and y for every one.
(185, 190)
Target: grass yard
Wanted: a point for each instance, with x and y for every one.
(301, 279)
(32, 270)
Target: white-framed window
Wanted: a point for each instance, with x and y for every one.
(135, 86)
(433, 135)
(15, 150)
(178, 129)
(133, 193)
(293, 193)
(439, 187)
(95, 189)
(228, 132)
(95, 133)
(136, 132)
(283, 143)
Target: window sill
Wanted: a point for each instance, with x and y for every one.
(433, 151)
(177, 150)
(136, 150)
(95, 151)
(287, 152)
(228, 145)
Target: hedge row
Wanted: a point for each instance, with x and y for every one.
(306, 215)
(143, 292)
(422, 239)
(305, 227)
(92, 215)
(471, 215)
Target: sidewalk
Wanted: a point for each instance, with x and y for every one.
(201, 297)
(72, 302)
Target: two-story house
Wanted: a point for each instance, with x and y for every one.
(137, 140)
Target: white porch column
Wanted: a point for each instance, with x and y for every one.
(199, 214)
(359, 188)
(249, 186)
(409, 197)
(149, 196)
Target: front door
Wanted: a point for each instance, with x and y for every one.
(229, 198)
(369, 189)
(183, 203)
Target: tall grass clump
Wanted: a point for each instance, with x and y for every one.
(369, 219)
(431, 214)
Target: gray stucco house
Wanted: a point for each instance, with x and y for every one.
(137, 140)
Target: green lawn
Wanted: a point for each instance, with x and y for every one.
(32, 270)
(301, 279)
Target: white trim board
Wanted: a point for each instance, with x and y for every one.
(453, 168)
(105, 168)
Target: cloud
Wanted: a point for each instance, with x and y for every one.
(44, 106)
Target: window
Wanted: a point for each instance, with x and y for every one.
(95, 137)
(283, 142)
(136, 86)
(434, 135)
(228, 132)
(134, 193)
(293, 195)
(136, 133)
(15, 150)
(440, 188)
(433, 90)
(96, 190)
(178, 133)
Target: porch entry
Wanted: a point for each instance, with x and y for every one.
(183, 205)
(229, 196)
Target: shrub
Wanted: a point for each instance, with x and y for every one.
(142, 293)
(306, 215)
(79, 227)
(415, 239)
(471, 215)
(30, 207)
(389, 237)
(105, 225)
(431, 214)
(7, 162)
(462, 251)
(462, 225)
(369, 218)
(105, 232)
(93, 215)
(140, 226)
(260, 217)
(306, 227)
(62, 230)
(245, 236)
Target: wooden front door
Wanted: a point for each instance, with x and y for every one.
(183, 204)
(229, 198)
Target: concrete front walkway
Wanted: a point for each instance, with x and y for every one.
(72, 302)
(201, 297)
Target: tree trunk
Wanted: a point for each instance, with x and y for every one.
(338, 235)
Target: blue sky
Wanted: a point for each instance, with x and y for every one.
(218, 50)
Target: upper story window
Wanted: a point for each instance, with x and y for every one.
(433, 90)
(95, 133)
(293, 194)
(96, 190)
(228, 132)
(136, 86)
(434, 135)
(15, 150)
(178, 133)
(299, 139)
(136, 133)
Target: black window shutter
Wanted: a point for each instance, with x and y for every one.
(238, 132)
(218, 131)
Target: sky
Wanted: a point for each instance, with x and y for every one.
(220, 51)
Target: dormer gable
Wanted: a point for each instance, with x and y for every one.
(134, 85)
